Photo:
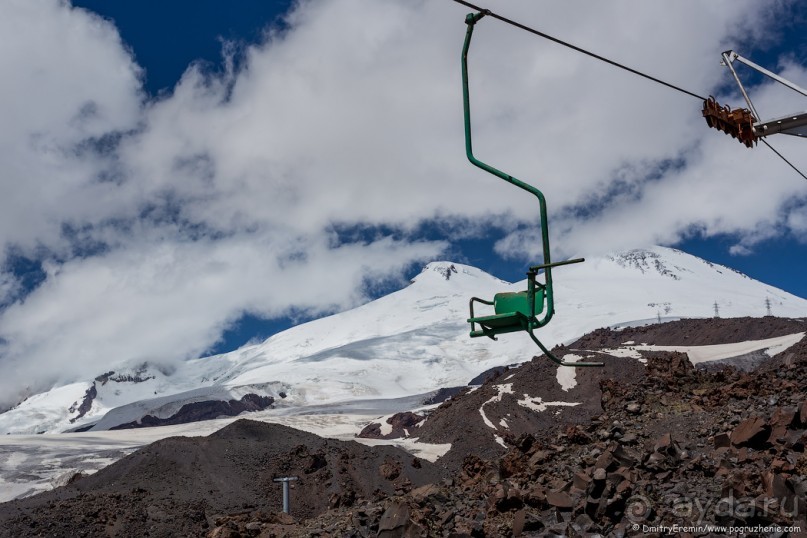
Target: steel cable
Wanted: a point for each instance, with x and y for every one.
(578, 49)
(783, 158)
(581, 50)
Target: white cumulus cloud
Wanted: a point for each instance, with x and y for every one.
(161, 221)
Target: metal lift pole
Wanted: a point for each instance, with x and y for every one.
(727, 62)
(285, 481)
(471, 20)
(729, 56)
(792, 124)
(529, 321)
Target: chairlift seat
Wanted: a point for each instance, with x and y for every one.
(509, 302)
(512, 313)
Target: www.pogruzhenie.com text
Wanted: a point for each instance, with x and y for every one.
(731, 530)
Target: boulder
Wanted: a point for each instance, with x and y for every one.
(752, 432)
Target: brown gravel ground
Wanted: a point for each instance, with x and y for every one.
(643, 441)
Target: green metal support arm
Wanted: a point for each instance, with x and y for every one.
(561, 361)
(471, 19)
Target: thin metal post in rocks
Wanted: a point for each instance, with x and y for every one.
(285, 481)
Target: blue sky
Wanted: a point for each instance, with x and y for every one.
(181, 177)
(167, 37)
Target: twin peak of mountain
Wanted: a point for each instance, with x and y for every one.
(663, 261)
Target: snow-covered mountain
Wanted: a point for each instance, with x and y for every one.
(410, 342)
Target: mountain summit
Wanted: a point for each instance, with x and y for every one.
(409, 342)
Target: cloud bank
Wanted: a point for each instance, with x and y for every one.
(160, 221)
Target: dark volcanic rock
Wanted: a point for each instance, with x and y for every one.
(403, 425)
(527, 399)
(489, 375)
(207, 410)
(86, 403)
(694, 332)
(751, 432)
(631, 444)
(443, 394)
(180, 486)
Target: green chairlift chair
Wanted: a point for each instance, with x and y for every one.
(520, 311)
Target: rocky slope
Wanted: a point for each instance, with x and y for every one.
(182, 486)
(668, 445)
(649, 440)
